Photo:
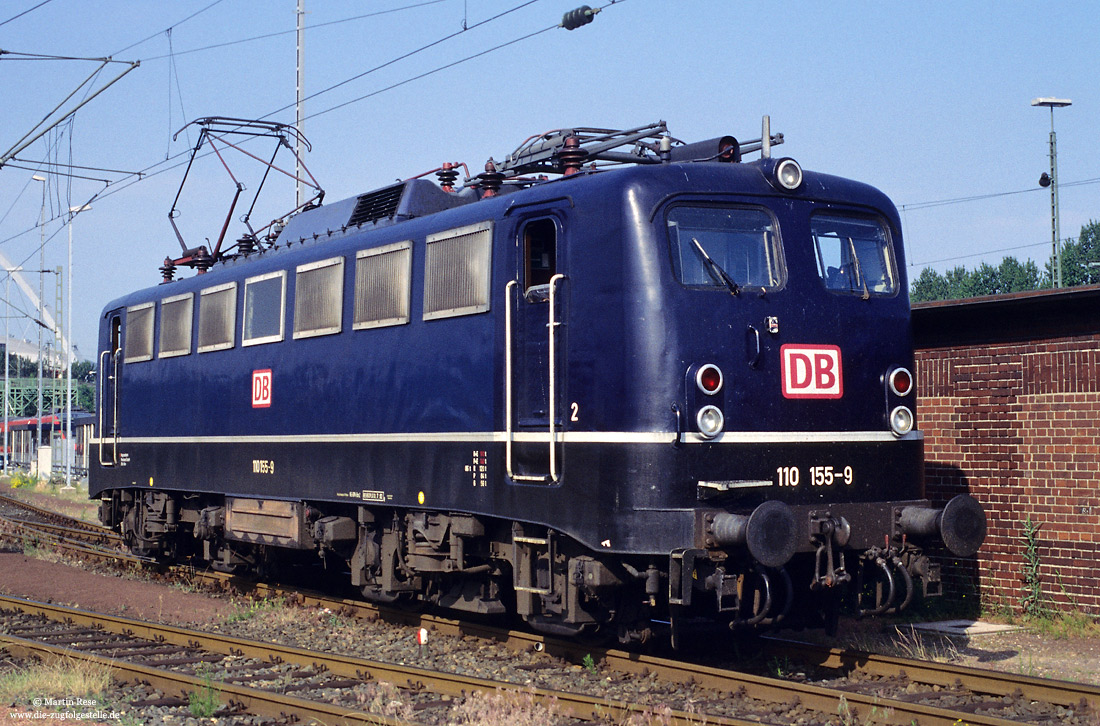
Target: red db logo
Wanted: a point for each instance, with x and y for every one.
(811, 371)
(261, 389)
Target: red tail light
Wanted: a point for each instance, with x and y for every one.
(901, 381)
(709, 379)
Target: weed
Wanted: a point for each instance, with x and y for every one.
(781, 667)
(909, 644)
(505, 708)
(384, 699)
(649, 716)
(1034, 602)
(252, 608)
(202, 703)
(1075, 624)
(1027, 669)
(589, 664)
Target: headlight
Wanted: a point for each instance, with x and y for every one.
(788, 174)
(901, 421)
(710, 421)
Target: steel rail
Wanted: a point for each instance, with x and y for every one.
(49, 513)
(252, 700)
(31, 531)
(999, 683)
(978, 681)
(65, 532)
(450, 684)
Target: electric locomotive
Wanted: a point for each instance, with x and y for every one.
(613, 380)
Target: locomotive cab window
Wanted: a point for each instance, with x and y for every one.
(725, 248)
(139, 333)
(318, 298)
(217, 317)
(540, 243)
(853, 255)
(175, 325)
(264, 308)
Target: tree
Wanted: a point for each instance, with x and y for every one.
(958, 283)
(1081, 257)
(929, 285)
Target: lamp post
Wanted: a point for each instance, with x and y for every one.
(1052, 181)
(41, 271)
(73, 211)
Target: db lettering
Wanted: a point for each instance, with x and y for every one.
(812, 371)
(261, 389)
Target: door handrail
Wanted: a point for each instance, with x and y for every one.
(553, 326)
(103, 374)
(509, 432)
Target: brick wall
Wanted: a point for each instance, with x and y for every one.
(1016, 424)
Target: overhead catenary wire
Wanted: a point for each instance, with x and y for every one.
(173, 25)
(277, 33)
(28, 10)
(979, 197)
(160, 167)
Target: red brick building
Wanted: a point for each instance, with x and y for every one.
(1009, 401)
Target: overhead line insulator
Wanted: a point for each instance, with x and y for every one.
(578, 17)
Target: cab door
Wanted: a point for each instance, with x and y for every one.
(110, 367)
(536, 351)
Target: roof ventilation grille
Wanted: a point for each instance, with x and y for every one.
(379, 204)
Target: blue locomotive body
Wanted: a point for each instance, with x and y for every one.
(655, 390)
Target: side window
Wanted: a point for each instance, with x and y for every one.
(382, 286)
(457, 270)
(264, 308)
(540, 247)
(853, 254)
(175, 325)
(217, 317)
(318, 298)
(725, 247)
(139, 333)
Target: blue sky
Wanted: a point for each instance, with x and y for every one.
(927, 101)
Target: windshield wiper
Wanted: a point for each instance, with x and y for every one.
(733, 286)
(859, 270)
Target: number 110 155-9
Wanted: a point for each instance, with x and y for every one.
(819, 476)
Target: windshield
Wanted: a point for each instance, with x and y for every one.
(725, 247)
(853, 255)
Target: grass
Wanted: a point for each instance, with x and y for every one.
(72, 502)
(58, 678)
(205, 701)
(505, 708)
(249, 609)
(1064, 625)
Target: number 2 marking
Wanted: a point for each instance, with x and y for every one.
(575, 407)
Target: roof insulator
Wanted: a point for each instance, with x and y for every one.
(578, 17)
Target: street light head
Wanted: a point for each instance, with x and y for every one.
(84, 208)
(1051, 102)
(38, 177)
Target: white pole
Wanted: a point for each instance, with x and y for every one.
(69, 359)
(7, 339)
(73, 211)
(300, 100)
(41, 273)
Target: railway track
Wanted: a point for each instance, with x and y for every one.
(722, 696)
(36, 526)
(876, 688)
